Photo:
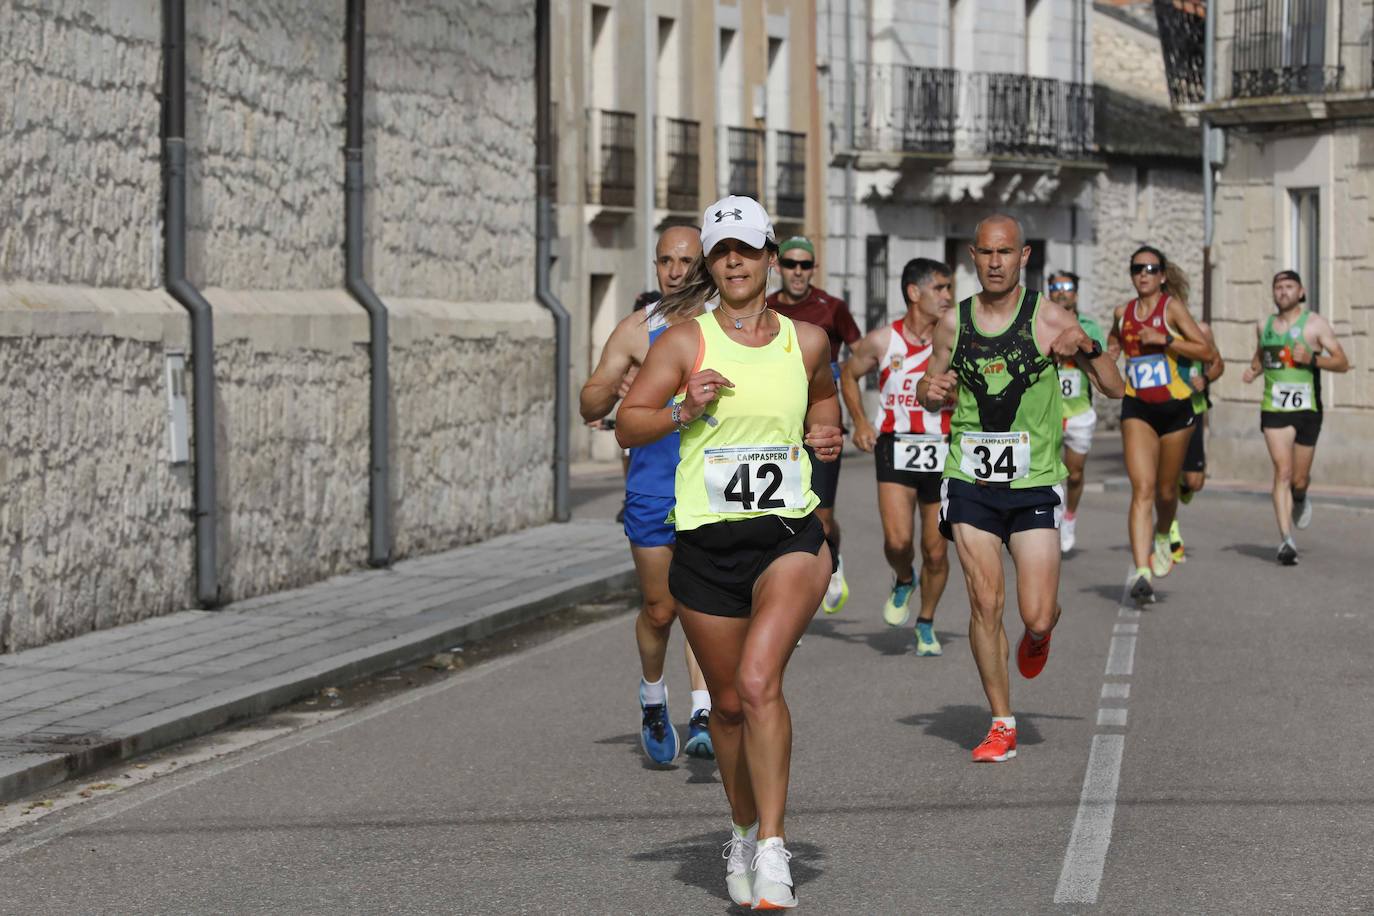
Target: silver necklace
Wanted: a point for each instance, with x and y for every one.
(739, 322)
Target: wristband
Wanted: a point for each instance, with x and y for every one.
(1095, 352)
(677, 417)
(1168, 340)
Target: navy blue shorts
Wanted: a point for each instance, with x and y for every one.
(645, 523)
(1002, 511)
(825, 478)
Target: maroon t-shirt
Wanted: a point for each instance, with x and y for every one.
(827, 312)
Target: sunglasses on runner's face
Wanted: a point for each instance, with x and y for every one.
(1146, 269)
(1063, 286)
(789, 264)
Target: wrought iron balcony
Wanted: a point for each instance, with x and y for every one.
(611, 158)
(744, 151)
(1182, 37)
(956, 113)
(790, 202)
(1280, 49)
(680, 185)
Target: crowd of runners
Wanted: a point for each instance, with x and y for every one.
(728, 400)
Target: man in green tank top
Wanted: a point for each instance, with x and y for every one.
(1295, 346)
(993, 358)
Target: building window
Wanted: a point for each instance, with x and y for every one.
(1304, 251)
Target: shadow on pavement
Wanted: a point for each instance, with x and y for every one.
(700, 864)
(886, 641)
(966, 725)
(1256, 551)
(1116, 594)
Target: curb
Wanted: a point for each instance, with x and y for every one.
(199, 717)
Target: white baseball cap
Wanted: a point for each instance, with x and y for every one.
(735, 217)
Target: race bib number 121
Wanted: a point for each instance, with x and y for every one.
(754, 478)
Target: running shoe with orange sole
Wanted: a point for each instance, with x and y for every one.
(999, 745)
(1032, 655)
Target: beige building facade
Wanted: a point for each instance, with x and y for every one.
(1294, 103)
(662, 106)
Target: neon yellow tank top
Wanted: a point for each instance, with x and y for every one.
(750, 461)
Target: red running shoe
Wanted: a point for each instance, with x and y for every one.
(999, 745)
(1031, 655)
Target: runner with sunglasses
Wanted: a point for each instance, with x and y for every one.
(1155, 331)
(800, 300)
(1080, 420)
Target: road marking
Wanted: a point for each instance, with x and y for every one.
(1126, 628)
(1081, 875)
(1121, 656)
(1127, 613)
(1113, 716)
(1116, 691)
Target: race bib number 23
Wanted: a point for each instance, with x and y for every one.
(995, 457)
(923, 453)
(754, 478)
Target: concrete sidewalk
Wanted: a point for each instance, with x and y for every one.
(72, 706)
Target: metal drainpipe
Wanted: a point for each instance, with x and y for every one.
(1208, 191)
(853, 71)
(184, 292)
(379, 471)
(542, 251)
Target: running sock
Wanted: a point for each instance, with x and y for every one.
(655, 694)
(1143, 571)
(701, 699)
(1070, 516)
(922, 620)
(1299, 495)
(749, 833)
(1007, 721)
(1037, 639)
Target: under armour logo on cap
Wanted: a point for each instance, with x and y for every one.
(721, 214)
(735, 217)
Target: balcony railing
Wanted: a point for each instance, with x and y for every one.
(681, 184)
(957, 113)
(611, 158)
(1280, 49)
(744, 151)
(791, 190)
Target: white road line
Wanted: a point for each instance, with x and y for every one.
(1113, 716)
(1116, 691)
(1081, 875)
(1127, 613)
(1126, 628)
(1121, 656)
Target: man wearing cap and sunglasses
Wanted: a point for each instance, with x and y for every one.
(1294, 344)
(799, 300)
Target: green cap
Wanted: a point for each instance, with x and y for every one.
(798, 241)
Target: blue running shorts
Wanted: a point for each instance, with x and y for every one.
(644, 520)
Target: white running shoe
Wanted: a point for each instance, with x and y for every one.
(738, 855)
(1162, 558)
(1302, 512)
(1066, 534)
(772, 878)
(837, 592)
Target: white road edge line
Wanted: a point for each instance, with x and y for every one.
(1081, 875)
(175, 782)
(1121, 656)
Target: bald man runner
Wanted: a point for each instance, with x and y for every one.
(994, 360)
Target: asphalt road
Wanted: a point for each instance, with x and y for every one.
(519, 786)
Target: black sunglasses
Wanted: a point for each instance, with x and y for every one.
(789, 264)
(1146, 269)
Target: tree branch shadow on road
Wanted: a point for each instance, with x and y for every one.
(886, 641)
(1255, 551)
(967, 725)
(700, 863)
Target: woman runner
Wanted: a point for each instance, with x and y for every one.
(748, 388)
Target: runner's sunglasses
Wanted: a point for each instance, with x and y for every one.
(1063, 286)
(789, 264)
(1146, 269)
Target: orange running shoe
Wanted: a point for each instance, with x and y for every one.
(1031, 655)
(999, 745)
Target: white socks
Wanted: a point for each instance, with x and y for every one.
(701, 699)
(655, 694)
(1008, 721)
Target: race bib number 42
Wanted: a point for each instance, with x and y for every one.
(1148, 371)
(923, 453)
(1292, 396)
(995, 457)
(754, 478)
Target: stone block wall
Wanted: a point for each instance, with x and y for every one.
(96, 525)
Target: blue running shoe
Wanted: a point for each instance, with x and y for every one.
(927, 643)
(699, 736)
(657, 735)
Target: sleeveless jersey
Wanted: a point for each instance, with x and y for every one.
(902, 367)
(1202, 400)
(1151, 373)
(749, 461)
(1287, 387)
(1008, 418)
(1074, 386)
(652, 466)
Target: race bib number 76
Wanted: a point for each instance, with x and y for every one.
(754, 478)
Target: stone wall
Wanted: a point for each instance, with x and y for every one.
(96, 525)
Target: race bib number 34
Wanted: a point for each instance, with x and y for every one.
(923, 453)
(1292, 396)
(1148, 371)
(995, 457)
(754, 478)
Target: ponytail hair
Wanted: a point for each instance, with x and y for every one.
(1175, 279)
(696, 290)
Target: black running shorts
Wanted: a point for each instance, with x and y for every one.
(1195, 460)
(1308, 423)
(715, 566)
(1002, 511)
(926, 484)
(1164, 417)
(825, 478)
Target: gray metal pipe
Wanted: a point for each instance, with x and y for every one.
(1208, 177)
(379, 466)
(183, 291)
(543, 247)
